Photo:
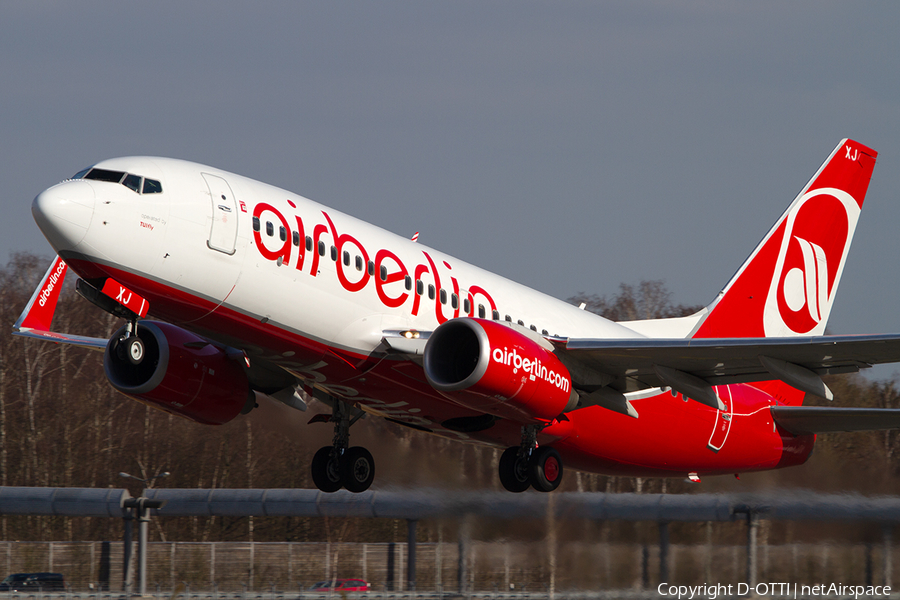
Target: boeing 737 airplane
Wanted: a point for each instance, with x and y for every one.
(256, 291)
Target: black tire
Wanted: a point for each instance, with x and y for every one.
(546, 469)
(357, 469)
(134, 348)
(326, 472)
(514, 471)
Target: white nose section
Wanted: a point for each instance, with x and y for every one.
(64, 213)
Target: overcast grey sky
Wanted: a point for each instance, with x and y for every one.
(570, 146)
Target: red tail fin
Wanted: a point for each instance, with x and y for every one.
(787, 286)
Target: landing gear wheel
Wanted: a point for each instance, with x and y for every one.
(546, 469)
(326, 472)
(514, 471)
(134, 348)
(357, 469)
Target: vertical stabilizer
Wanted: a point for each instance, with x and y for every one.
(787, 285)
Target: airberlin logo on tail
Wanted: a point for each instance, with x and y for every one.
(816, 238)
(808, 286)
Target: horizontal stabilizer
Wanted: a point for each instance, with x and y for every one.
(803, 420)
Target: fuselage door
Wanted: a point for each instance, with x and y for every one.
(723, 419)
(223, 232)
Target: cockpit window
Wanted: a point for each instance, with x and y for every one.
(135, 183)
(104, 175)
(132, 182)
(152, 186)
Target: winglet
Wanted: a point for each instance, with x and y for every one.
(38, 313)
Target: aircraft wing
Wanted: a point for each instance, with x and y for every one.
(803, 420)
(693, 366)
(637, 363)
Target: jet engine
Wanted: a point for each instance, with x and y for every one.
(178, 372)
(493, 368)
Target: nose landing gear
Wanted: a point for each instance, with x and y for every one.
(527, 465)
(338, 465)
(130, 346)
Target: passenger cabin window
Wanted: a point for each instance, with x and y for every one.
(309, 244)
(370, 268)
(359, 263)
(495, 314)
(334, 254)
(270, 229)
(454, 301)
(321, 248)
(382, 272)
(481, 311)
(255, 223)
(521, 322)
(296, 238)
(443, 296)
(420, 287)
(346, 258)
(466, 306)
(430, 292)
(407, 281)
(282, 233)
(508, 319)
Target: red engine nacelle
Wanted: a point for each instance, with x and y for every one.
(493, 368)
(180, 373)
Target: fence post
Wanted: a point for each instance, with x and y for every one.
(411, 554)
(391, 568)
(752, 559)
(888, 560)
(663, 551)
(462, 544)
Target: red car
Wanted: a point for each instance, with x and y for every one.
(341, 585)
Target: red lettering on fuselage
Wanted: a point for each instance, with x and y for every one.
(387, 270)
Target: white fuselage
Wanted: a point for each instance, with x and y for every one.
(198, 236)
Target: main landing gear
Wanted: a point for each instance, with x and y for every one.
(338, 465)
(527, 465)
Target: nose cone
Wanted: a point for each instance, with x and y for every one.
(64, 212)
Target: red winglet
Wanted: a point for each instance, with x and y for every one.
(126, 297)
(38, 314)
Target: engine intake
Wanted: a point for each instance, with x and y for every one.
(180, 373)
(493, 368)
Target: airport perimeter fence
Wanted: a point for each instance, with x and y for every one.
(271, 568)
